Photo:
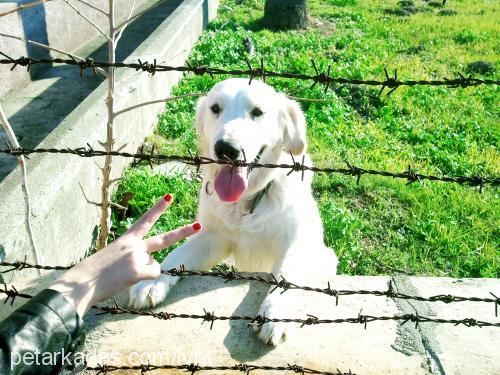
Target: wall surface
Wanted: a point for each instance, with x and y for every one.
(54, 23)
(384, 347)
(63, 221)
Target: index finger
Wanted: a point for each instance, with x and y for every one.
(144, 224)
(164, 240)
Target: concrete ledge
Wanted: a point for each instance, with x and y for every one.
(385, 347)
(63, 222)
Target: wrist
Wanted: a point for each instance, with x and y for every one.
(76, 294)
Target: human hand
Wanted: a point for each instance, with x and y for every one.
(122, 263)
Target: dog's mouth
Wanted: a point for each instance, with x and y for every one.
(232, 181)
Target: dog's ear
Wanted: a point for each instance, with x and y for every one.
(200, 115)
(293, 124)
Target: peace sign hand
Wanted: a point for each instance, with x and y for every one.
(124, 262)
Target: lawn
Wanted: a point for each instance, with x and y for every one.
(380, 225)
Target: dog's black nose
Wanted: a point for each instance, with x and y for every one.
(226, 150)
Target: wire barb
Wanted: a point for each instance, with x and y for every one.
(195, 367)
(273, 282)
(198, 161)
(392, 83)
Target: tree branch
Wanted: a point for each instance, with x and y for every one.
(105, 223)
(126, 22)
(128, 18)
(93, 7)
(44, 46)
(85, 196)
(115, 180)
(318, 100)
(112, 204)
(87, 19)
(24, 6)
(198, 94)
(24, 185)
(159, 101)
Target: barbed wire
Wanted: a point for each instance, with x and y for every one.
(193, 368)
(20, 265)
(260, 320)
(23, 6)
(409, 175)
(320, 77)
(286, 285)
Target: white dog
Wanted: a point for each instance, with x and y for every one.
(266, 220)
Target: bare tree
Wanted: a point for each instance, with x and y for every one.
(115, 33)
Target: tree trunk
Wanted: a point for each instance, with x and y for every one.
(286, 14)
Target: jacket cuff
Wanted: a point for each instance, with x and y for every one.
(70, 319)
(47, 325)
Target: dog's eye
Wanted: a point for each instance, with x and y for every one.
(256, 112)
(215, 109)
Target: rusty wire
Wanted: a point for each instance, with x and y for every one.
(260, 320)
(284, 285)
(409, 175)
(320, 77)
(193, 368)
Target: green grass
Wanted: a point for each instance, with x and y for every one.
(380, 225)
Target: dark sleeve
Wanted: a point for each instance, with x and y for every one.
(40, 336)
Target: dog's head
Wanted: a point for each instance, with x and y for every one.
(238, 121)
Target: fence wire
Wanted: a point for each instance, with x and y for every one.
(284, 285)
(260, 320)
(409, 175)
(320, 77)
(193, 368)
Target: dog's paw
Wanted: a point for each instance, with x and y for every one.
(149, 293)
(272, 333)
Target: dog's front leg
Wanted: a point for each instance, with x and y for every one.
(200, 252)
(296, 266)
(278, 304)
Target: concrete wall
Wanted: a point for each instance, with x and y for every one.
(53, 23)
(63, 222)
(384, 347)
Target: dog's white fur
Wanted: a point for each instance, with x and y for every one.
(284, 234)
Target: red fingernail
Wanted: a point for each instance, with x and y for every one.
(168, 198)
(197, 226)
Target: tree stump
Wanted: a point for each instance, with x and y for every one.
(286, 14)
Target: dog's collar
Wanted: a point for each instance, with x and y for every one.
(259, 196)
(255, 201)
(256, 160)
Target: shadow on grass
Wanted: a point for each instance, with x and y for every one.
(365, 101)
(254, 25)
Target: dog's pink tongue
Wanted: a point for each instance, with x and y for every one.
(230, 183)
